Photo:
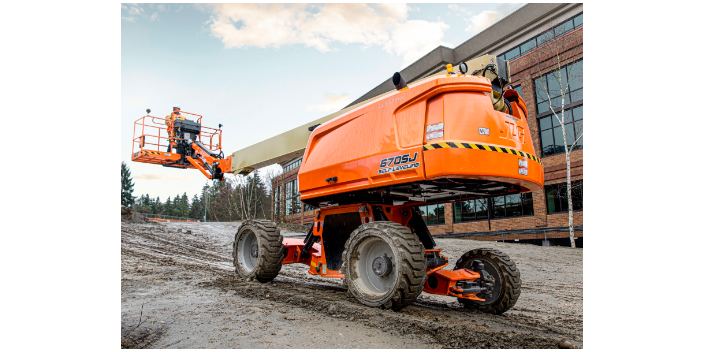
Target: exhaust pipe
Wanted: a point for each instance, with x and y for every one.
(398, 81)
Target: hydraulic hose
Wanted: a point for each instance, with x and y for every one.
(510, 109)
(486, 67)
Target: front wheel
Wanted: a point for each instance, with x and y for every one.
(384, 265)
(258, 250)
(503, 274)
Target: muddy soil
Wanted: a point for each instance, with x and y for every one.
(180, 279)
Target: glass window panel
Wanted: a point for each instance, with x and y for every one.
(440, 213)
(577, 113)
(559, 141)
(576, 74)
(564, 77)
(547, 142)
(569, 130)
(553, 84)
(543, 107)
(432, 214)
(568, 116)
(545, 123)
(527, 199)
(578, 132)
(519, 90)
(578, 21)
(550, 195)
(562, 191)
(470, 213)
(545, 37)
(528, 46)
(576, 95)
(577, 195)
(540, 95)
(482, 212)
(457, 210)
(499, 207)
(564, 28)
(512, 54)
(513, 205)
(557, 101)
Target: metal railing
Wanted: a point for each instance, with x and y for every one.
(155, 135)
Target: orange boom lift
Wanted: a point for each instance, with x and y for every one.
(450, 136)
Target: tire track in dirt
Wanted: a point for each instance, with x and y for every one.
(433, 320)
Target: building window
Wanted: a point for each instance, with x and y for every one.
(292, 165)
(498, 207)
(551, 139)
(519, 90)
(550, 131)
(556, 197)
(572, 95)
(277, 201)
(433, 214)
(293, 198)
(535, 42)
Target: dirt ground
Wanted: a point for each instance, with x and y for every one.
(179, 290)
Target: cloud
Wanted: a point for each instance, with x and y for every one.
(135, 10)
(331, 103)
(484, 20)
(456, 10)
(415, 38)
(322, 26)
(132, 12)
(162, 177)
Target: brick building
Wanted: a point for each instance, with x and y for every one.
(530, 40)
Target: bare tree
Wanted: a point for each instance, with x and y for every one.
(558, 71)
(270, 176)
(249, 196)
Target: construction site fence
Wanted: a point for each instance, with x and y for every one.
(535, 233)
(169, 218)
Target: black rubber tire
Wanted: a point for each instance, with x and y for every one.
(271, 250)
(409, 265)
(509, 276)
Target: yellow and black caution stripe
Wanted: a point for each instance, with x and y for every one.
(481, 147)
(150, 152)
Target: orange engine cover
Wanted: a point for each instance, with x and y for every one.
(438, 140)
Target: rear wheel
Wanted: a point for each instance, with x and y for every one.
(384, 265)
(258, 250)
(504, 274)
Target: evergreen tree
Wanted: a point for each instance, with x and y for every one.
(197, 208)
(141, 205)
(183, 206)
(175, 211)
(127, 186)
(168, 206)
(157, 207)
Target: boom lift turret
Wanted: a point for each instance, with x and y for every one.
(457, 135)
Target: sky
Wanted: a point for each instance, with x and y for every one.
(263, 69)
